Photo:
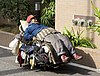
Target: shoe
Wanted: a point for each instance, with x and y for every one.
(64, 58)
(77, 57)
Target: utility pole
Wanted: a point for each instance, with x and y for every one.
(37, 10)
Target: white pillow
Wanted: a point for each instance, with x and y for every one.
(14, 45)
(24, 24)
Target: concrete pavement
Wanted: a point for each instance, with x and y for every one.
(9, 68)
(6, 37)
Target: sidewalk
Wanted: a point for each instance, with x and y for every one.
(5, 38)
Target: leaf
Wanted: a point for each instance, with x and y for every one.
(48, 14)
(96, 10)
(77, 40)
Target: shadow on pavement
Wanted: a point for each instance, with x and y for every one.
(13, 71)
(67, 69)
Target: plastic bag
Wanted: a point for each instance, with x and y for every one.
(14, 45)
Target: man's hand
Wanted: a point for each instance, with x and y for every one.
(34, 38)
(18, 36)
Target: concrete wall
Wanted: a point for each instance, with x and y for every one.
(65, 11)
(91, 57)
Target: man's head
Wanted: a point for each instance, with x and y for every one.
(31, 19)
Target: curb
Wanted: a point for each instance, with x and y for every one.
(84, 67)
(7, 33)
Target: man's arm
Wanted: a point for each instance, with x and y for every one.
(27, 35)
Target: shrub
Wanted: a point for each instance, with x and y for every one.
(77, 40)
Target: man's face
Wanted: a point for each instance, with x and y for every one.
(34, 20)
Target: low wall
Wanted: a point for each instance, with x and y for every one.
(91, 57)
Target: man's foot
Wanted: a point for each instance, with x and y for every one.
(64, 58)
(77, 57)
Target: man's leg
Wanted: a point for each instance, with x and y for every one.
(57, 45)
(69, 46)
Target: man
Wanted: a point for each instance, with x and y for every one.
(60, 43)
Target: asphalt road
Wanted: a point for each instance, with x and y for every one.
(9, 68)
